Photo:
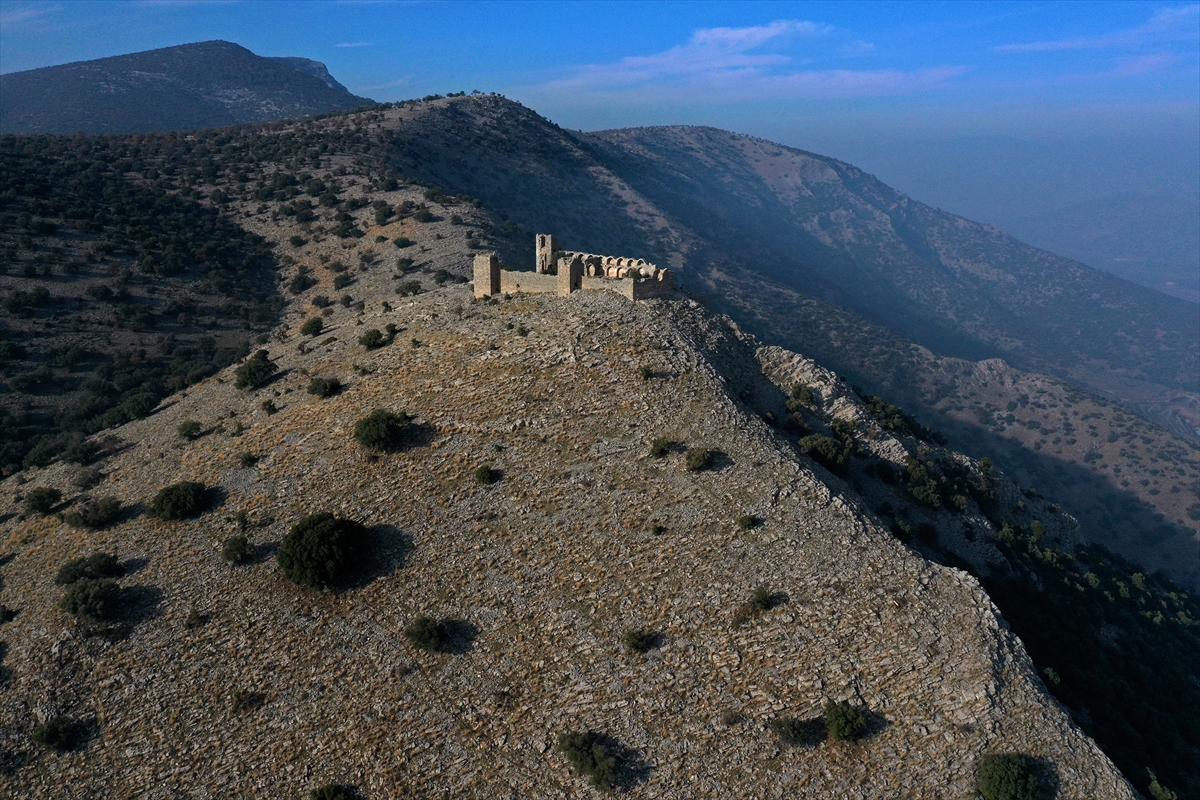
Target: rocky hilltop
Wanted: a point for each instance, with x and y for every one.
(189, 86)
(223, 680)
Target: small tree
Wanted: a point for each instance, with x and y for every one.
(42, 499)
(372, 339)
(591, 757)
(256, 371)
(639, 640)
(324, 387)
(426, 633)
(698, 459)
(189, 430)
(312, 327)
(799, 732)
(660, 446)
(382, 430)
(486, 475)
(236, 550)
(58, 733)
(845, 722)
(322, 551)
(180, 500)
(1007, 776)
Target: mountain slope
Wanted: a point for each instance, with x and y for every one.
(202, 85)
(543, 571)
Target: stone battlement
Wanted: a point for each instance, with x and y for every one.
(566, 271)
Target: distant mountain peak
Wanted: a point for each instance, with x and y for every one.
(184, 87)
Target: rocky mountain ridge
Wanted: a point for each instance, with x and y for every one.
(190, 86)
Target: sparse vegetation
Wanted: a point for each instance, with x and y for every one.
(382, 430)
(372, 339)
(762, 599)
(591, 757)
(59, 733)
(1007, 776)
(660, 446)
(426, 633)
(180, 500)
(645, 372)
(330, 791)
(93, 601)
(486, 475)
(322, 551)
(189, 430)
(748, 521)
(638, 640)
(313, 325)
(829, 453)
(799, 732)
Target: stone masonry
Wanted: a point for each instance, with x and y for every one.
(566, 271)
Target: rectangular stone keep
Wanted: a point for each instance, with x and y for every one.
(544, 243)
(570, 275)
(487, 275)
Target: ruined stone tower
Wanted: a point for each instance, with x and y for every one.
(545, 254)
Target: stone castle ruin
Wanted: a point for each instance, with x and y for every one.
(566, 271)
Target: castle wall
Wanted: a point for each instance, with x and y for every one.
(512, 282)
(634, 278)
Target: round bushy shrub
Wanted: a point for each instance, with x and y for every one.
(372, 339)
(189, 430)
(426, 633)
(1007, 776)
(94, 513)
(312, 327)
(93, 600)
(324, 387)
(660, 446)
(486, 475)
(236, 549)
(827, 452)
(95, 566)
(698, 459)
(256, 371)
(590, 756)
(58, 733)
(322, 551)
(42, 499)
(330, 791)
(179, 500)
(638, 640)
(799, 732)
(844, 722)
(381, 430)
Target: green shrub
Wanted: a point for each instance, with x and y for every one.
(93, 600)
(42, 499)
(95, 566)
(402, 242)
(256, 371)
(844, 722)
(322, 551)
(1007, 776)
(762, 599)
(236, 550)
(698, 459)
(486, 475)
(342, 281)
(799, 732)
(639, 640)
(180, 500)
(802, 397)
(297, 241)
(330, 791)
(372, 339)
(827, 452)
(189, 429)
(247, 459)
(324, 387)
(382, 430)
(58, 733)
(406, 288)
(660, 446)
(591, 757)
(426, 633)
(645, 372)
(748, 521)
(312, 326)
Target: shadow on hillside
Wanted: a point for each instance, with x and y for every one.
(1047, 776)
(388, 548)
(459, 636)
(134, 565)
(632, 767)
(418, 434)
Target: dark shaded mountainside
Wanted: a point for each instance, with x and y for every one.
(818, 256)
(190, 86)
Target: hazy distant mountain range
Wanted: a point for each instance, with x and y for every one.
(203, 85)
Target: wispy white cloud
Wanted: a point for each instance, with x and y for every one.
(20, 14)
(734, 64)
(355, 44)
(1171, 24)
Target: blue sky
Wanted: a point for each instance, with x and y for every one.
(1029, 69)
